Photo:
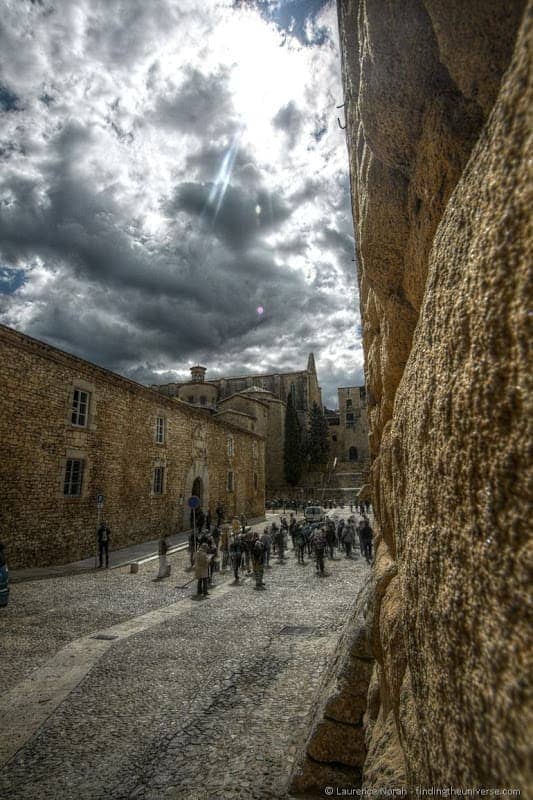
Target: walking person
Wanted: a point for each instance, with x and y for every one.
(365, 536)
(104, 535)
(193, 545)
(299, 539)
(330, 539)
(258, 562)
(224, 547)
(349, 538)
(201, 570)
(319, 546)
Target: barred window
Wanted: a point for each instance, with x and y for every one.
(160, 430)
(80, 408)
(159, 478)
(231, 446)
(73, 477)
(254, 449)
(230, 481)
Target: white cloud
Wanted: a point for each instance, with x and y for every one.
(138, 141)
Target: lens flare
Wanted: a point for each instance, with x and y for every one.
(260, 310)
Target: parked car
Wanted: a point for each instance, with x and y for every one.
(314, 514)
(4, 579)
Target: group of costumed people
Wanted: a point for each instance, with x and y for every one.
(247, 550)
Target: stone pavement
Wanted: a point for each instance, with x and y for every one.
(207, 699)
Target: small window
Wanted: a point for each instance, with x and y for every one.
(254, 449)
(73, 477)
(160, 430)
(80, 408)
(190, 399)
(230, 481)
(159, 477)
(231, 447)
(203, 400)
(256, 481)
(352, 454)
(349, 417)
(349, 404)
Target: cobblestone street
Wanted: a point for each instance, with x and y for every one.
(210, 701)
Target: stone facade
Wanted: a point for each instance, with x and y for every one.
(438, 108)
(247, 399)
(122, 457)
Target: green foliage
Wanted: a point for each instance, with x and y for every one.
(293, 453)
(317, 437)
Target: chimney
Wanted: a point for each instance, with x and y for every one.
(198, 374)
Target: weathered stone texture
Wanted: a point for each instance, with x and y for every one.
(438, 137)
(39, 524)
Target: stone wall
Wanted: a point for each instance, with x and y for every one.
(39, 524)
(438, 114)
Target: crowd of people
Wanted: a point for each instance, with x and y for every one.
(239, 548)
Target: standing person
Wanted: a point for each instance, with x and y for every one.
(292, 529)
(235, 550)
(163, 550)
(365, 536)
(104, 535)
(299, 538)
(224, 546)
(219, 511)
(330, 538)
(319, 546)
(349, 538)
(243, 522)
(201, 570)
(200, 519)
(340, 536)
(258, 562)
(208, 519)
(267, 545)
(280, 544)
(212, 552)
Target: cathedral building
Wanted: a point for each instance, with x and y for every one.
(256, 403)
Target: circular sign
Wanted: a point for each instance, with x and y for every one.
(193, 502)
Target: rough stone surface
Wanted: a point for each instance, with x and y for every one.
(439, 127)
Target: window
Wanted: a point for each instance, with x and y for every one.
(256, 481)
(231, 446)
(190, 399)
(334, 437)
(352, 454)
(159, 477)
(254, 449)
(73, 477)
(203, 400)
(160, 430)
(230, 482)
(80, 408)
(349, 404)
(349, 420)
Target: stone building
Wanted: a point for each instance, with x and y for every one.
(348, 429)
(70, 430)
(256, 403)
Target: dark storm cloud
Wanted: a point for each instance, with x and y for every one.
(289, 119)
(242, 216)
(201, 104)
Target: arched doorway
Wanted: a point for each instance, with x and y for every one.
(198, 490)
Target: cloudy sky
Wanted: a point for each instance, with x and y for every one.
(173, 186)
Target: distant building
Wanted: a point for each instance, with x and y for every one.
(256, 403)
(348, 428)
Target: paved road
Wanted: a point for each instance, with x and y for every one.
(194, 699)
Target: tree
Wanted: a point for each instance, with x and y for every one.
(293, 450)
(317, 437)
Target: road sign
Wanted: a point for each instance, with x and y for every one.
(99, 501)
(193, 502)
